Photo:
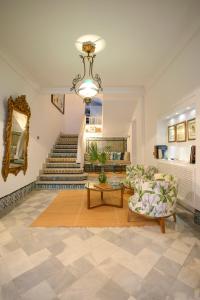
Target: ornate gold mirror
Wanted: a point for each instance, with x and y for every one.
(16, 137)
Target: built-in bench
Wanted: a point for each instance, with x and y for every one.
(119, 157)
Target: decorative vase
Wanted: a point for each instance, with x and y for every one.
(102, 177)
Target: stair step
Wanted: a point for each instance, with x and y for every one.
(65, 146)
(63, 177)
(62, 171)
(63, 135)
(64, 150)
(61, 159)
(67, 141)
(52, 154)
(62, 165)
(60, 185)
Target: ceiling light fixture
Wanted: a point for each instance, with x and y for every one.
(87, 85)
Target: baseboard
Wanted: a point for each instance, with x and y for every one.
(8, 202)
(186, 206)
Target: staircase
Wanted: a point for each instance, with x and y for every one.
(61, 171)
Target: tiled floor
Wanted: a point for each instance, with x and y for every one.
(96, 263)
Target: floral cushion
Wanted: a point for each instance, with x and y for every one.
(137, 173)
(156, 198)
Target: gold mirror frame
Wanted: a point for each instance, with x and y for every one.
(20, 105)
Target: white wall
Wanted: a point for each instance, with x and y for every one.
(74, 113)
(46, 122)
(136, 134)
(180, 78)
(117, 114)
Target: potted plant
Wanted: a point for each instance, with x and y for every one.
(100, 157)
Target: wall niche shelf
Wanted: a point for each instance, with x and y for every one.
(177, 158)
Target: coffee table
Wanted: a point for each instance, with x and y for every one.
(93, 186)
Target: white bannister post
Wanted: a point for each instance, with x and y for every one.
(81, 145)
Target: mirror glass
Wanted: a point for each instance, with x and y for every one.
(18, 139)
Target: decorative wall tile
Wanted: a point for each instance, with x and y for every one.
(12, 199)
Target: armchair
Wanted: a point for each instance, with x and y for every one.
(155, 199)
(138, 173)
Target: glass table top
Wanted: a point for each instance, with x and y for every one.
(110, 185)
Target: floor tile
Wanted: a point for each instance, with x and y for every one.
(112, 291)
(41, 291)
(96, 263)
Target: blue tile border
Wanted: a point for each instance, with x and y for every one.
(55, 186)
(197, 217)
(11, 200)
(8, 202)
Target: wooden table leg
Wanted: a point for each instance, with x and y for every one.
(122, 196)
(174, 217)
(88, 198)
(162, 224)
(102, 201)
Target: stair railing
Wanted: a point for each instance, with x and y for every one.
(81, 143)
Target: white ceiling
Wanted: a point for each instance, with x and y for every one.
(140, 35)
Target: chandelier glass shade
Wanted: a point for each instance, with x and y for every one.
(87, 85)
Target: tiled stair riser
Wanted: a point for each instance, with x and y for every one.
(54, 186)
(63, 146)
(64, 151)
(67, 177)
(61, 167)
(63, 135)
(61, 159)
(68, 141)
(63, 171)
(63, 155)
(65, 142)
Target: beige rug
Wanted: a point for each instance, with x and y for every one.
(69, 209)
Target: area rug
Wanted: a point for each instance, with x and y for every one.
(69, 209)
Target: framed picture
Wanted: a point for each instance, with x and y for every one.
(181, 132)
(191, 129)
(171, 134)
(58, 100)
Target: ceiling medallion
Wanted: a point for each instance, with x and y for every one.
(87, 85)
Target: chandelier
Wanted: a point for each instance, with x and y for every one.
(87, 85)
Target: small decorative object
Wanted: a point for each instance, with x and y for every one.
(160, 151)
(191, 129)
(193, 155)
(181, 132)
(171, 134)
(59, 101)
(102, 177)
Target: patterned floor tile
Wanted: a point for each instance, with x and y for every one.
(41, 291)
(137, 263)
(112, 291)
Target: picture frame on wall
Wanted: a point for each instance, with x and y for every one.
(191, 129)
(181, 132)
(171, 133)
(58, 100)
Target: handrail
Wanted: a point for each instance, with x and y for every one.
(93, 120)
(81, 144)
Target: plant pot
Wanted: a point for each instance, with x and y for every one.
(102, 177)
